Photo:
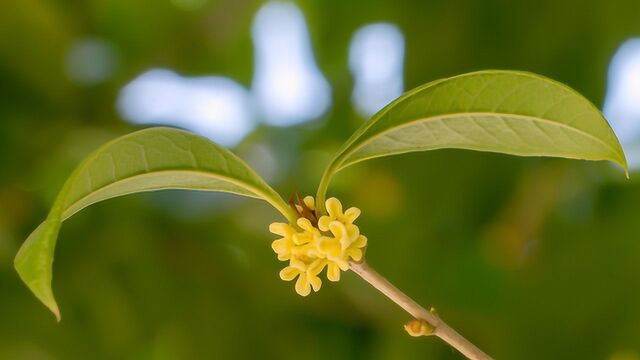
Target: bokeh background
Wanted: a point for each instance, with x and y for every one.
(529, 258)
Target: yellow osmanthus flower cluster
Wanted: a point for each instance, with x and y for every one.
(309, 248)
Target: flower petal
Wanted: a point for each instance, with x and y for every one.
(323, 223)
(284, 257)
(316, 267)
(341, 233)
(312, 251)
(337, 229)
(360, 242)
(303, 287)
(353, 232)
(305, 224)
(281, 229)
(355, 254)
(280, 246)
(301, 238)
(289, 273)
(310, 202)
(315, 282)
(352, 214)
(330, 247)
(297, 264)
(334, 207)
(333, 272)
(343, 264)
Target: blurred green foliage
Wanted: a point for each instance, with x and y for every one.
(529, 258)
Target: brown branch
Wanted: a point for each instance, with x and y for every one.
(440, 328)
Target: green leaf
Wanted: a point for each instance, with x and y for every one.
(147, 160)
(508, 112)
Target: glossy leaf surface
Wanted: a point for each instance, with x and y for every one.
(507, 112)
(147, 160)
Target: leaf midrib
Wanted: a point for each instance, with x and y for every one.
(359, 145)
(256, 192)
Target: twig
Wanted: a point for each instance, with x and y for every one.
(440, 328)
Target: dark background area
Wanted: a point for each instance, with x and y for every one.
(529, 258)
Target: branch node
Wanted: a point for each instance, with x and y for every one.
(419, 327)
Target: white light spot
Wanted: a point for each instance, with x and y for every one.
(216, 107)
(376, 60)
(288, 86)
(622, 102)
(91, 61)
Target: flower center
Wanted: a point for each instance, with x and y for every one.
(302, 209)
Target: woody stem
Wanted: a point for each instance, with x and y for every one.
(440, 328)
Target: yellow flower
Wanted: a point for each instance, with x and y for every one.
(307, 275)
(333, 243)
(283, 246)
(345, 245)
(295, 244)
(334, 208)
(309, 232)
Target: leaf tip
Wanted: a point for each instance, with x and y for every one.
(620, 158)
(46, 297)
(56, 312)
(31, 274)
(625, 166)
